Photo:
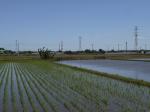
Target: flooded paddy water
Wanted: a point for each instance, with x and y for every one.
(40, 86)
(133, 69)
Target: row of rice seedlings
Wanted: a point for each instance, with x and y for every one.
(48, 97)
(52, 84)
(1, 69)
(10, 104)
(33, 101)
(2, 73)
(17, 107)
(6, 96)
(23, 95)
(55, 95)
(37, 94)
(2, 87)
(13, 93)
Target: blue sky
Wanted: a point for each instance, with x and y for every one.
(105, 23)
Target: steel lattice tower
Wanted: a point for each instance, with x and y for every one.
(136, 38)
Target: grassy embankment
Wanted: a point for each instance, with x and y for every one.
(78, 56)
(100, 56)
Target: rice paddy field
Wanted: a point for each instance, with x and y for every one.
(42, 86)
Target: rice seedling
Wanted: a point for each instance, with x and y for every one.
(39, 86)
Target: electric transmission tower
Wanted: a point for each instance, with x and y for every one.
(136, 38)
(92, 45)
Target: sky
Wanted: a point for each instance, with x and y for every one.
(103, 23)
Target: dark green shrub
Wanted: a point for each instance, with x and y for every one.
(45, 53)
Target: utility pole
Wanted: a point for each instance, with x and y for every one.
(113, 48)
(136, 38)
(80, 43)
(61, 45)
(126, 46)
(118, 47)
(92, 45)
(145, 46)
(17, 47)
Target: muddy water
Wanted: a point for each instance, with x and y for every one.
(133, 69)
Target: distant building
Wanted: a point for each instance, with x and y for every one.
(143, 52)
(35, 53)
(2, 50)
